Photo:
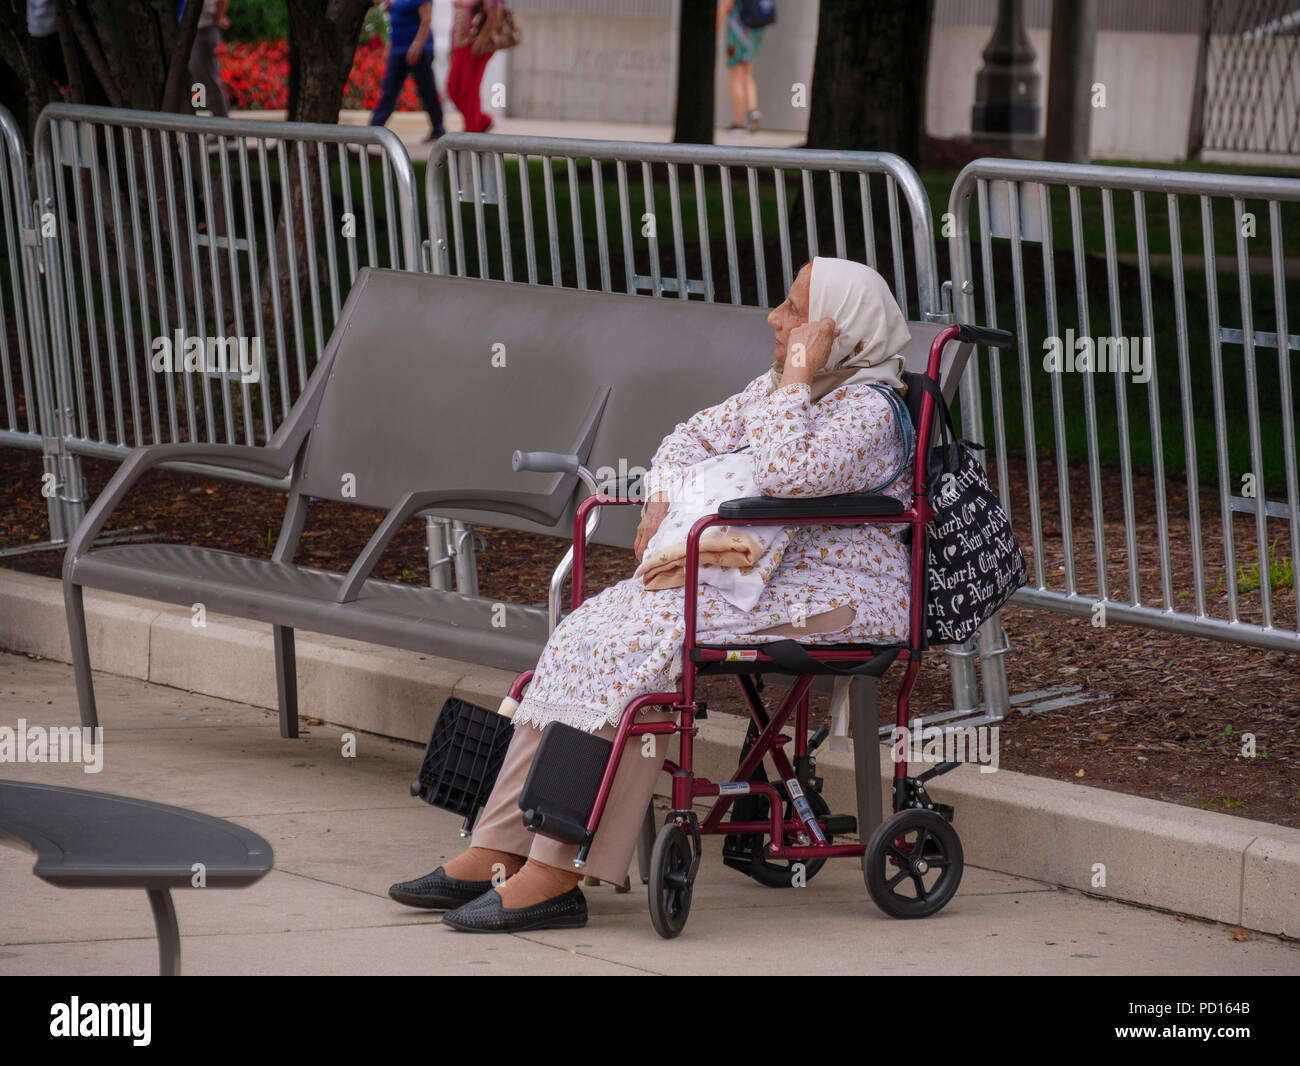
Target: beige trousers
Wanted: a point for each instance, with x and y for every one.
(501, 825)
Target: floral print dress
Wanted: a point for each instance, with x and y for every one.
(627, 640)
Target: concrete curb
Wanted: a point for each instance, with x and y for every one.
(1110, 844)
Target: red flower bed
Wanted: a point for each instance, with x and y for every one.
(256, 76)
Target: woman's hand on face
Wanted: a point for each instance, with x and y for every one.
(655, 510)
(808, 349)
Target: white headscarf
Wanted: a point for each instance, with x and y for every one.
(872, 328)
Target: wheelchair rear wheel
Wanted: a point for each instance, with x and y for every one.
(670, 883)
(913, 864)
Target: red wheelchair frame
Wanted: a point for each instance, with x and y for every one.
(915, 842)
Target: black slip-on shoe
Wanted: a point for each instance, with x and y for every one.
(487, 915)
(437, 891)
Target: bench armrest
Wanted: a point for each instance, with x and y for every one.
(252, 459)
(532, 506)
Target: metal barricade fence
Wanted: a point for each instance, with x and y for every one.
(698, 226)
(27, 419)
(1199, 412)
(197, 265)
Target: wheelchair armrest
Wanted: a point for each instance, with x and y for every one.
(847, 503)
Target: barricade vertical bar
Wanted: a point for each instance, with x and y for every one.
(13, 247)
(273, 276)
(390, 218)
(625, 222)
(1121, 400)
(255, 282)
(1220, 418)
(106, 291)
(236, 295)
(368, 210)
(218, 303)
(652, 217)
(729, 228)
(1058, 398)
(1185, 390)
(327, 217)
(178, 269)
(702, 231)
(868, 220)
(837, 214)
(552, 225)
(756, 231)
(1252, 416)
(783, 228)
(291, 259)
(1153, 399)
(679, 250)
(345, 194)
(59, 133)
(503, 219)
(196, 274)
(309, 238)
(810, 217)
(526, 203)
(575, 218)
(1285, 388)
(480, 227)
(995, 354)
(1089, 395)
(80, 136)
(896, 244)
(602, 225)
(1026, 390)
(124, 292)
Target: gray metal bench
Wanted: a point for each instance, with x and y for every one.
(427, 386)
(94, 840)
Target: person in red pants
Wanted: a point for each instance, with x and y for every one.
(469, 58)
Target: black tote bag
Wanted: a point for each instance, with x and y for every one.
(974, 560)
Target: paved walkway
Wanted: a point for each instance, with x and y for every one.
(343, 829)
(412, 127)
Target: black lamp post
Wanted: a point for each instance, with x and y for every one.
(1006, 88)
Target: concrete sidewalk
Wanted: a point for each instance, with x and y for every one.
(411, 128)
(343, 829)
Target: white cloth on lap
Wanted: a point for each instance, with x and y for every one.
(735, 560)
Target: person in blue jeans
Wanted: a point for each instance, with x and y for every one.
(410, 52)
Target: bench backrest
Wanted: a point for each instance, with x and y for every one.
(431, 382)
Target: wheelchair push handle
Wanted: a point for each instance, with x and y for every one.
(545, 462)
(994, 338)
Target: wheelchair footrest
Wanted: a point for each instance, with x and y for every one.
(840, 824)
(562, 783)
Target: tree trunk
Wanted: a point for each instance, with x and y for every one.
(696, 53)
(868, 86)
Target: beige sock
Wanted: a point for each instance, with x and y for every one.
(481, 864)
(535, 883)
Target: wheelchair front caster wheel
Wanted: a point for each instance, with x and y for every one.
(913, 864)
(670, 884)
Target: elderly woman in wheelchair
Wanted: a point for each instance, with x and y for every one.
(826, 419)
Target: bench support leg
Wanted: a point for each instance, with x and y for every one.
(76, 612)
(286, 681)
(169, 936)
(866, 755)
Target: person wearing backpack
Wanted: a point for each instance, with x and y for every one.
(744, 22)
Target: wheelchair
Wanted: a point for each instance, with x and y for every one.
(781, 831)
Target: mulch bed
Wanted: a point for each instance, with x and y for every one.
(1170, 728)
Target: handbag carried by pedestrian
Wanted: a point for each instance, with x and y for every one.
(506, 35)
(975, 561)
